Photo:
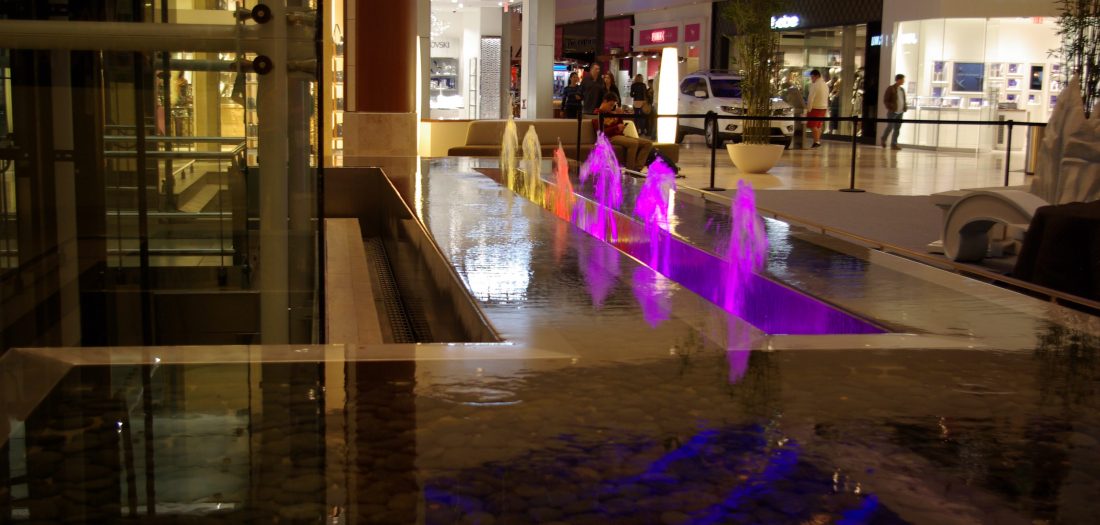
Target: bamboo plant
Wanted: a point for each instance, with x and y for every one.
(756, 49)
(1079, 27)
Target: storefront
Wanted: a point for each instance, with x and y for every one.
(687, 28)
(575, 48)
(839, 41)
(960, 67)
(465, 61)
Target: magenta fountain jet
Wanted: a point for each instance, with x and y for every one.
(603, 167)
(748, 247)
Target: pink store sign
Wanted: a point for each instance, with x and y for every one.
(664, 35)
(691, 33)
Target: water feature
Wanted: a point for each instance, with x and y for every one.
(509, 145)
(564, 198)
(748, 248)
(528, 182)
(602, 167)
(652, 208)
(729, 280)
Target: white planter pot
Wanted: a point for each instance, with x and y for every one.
(754, 158)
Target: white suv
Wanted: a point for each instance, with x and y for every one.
(720, 91)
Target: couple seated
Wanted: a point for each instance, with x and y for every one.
(637, 149)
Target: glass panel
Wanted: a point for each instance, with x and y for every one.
(130, 196)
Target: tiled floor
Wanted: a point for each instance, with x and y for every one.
(907, 172)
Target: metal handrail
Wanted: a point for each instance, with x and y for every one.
(712, 119)
(185, 140)
(196, 155)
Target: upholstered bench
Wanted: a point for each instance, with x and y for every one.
(483, 139)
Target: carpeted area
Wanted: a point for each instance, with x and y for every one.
(901, 220)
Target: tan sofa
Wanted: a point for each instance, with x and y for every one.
(483, 139)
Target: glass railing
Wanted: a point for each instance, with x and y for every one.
(160, 172)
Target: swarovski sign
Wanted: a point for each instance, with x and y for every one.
(785, 21)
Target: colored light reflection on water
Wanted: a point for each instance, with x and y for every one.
(731, 283)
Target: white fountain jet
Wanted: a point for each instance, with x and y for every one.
(508, 147)
(529, 183)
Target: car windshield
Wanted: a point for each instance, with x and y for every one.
(726, 87)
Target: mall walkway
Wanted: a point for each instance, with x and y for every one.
(906, 172)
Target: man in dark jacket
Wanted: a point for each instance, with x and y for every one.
(896, 105)
(593, 89)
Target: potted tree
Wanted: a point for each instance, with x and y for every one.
(755, 48)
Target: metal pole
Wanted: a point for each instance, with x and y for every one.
(580, 119)
(712, 119)
(1008, 150)
(852, 175)
(142, 201)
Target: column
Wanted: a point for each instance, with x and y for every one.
(847, 76)
(272, 98)
(537, 62)
(381, 121)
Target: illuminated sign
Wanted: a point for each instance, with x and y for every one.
(907, 38)
(876, 40)
(664, 35)
(785, 21)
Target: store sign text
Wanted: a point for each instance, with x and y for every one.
(785, 21)
(876, 40)
(907, 38)
(665, 35)
(440, 45)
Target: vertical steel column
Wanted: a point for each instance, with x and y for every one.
(600, 34)
(300, 194)
(143, 201)
(64, 172)
(273, 99)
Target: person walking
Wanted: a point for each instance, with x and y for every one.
(637, 149)
(638, 94)
(592, 90)
(792, 95)
(896, 106)
(572, 97)
(818, 104)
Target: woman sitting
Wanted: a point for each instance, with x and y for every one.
(637, 150)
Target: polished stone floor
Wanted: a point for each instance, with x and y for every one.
(911, 171)
(618, 396)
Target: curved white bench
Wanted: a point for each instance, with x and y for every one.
(966, 227)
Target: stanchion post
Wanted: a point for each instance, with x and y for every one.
(1008, 150)
(852, 175)
(712, 120)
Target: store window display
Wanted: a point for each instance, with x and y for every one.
(976, 69)
(839, 53)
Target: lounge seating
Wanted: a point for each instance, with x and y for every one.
(1068, 171)
(483, 139)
